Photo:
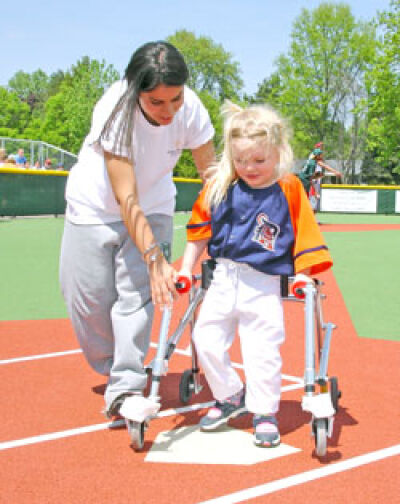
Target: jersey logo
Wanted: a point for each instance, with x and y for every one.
(265, 232)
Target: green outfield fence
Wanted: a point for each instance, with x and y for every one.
(38, 192)
(41, 192)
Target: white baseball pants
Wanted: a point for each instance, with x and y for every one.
(241, 299)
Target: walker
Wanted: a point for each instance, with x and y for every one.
(321, 393)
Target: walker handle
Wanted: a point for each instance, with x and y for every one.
(183, 284)
(299, 284)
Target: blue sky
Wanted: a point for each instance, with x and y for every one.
(54, 35)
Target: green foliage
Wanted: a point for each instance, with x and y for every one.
(336, 83)
(211, 68)
(30, 88)
(14, 114)
(68, 112)
(319, 83)
(384, 94)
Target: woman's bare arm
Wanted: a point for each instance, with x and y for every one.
(123, 182)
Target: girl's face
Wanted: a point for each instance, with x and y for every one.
(254, 164)
(161, 104)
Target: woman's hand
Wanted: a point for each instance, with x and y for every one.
(162, 281)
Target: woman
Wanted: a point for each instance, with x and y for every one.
(120, 203)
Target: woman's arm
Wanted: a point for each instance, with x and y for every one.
(123, 182)
(203, 157)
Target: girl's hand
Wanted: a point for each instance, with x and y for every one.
(162, 281)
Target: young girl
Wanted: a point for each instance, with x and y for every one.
(258, 224)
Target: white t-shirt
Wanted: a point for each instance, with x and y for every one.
(156, 150)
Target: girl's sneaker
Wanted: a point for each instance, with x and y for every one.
(224, 410)
(266, 432)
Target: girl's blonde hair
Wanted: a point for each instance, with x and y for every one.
(260, 123)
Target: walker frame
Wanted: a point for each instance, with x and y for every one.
(321, 392)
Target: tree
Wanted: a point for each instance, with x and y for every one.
(68, 113)
(214, 76)
(211, 68)
(384, 95)
(30, 88)
(319, 84)
(14, 114)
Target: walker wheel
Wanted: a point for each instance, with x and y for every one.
(335, 392)
(320, 429)
(136, 433)
(186, 386)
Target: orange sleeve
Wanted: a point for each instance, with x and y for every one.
(310, 250)
(199, 225)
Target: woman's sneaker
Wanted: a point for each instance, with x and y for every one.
(223, 411)
(266, 432)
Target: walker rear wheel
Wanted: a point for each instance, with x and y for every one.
(186, 386)
(320, 428)
(136, 433)
(335, 392)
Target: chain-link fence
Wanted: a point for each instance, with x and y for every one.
(38, 154)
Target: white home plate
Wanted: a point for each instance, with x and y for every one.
(189, 445)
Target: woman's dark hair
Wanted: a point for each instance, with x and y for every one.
(152, 64)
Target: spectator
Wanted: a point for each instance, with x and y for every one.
(48, 164)
(20, 159)
(3, 157)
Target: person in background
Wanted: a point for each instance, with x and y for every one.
(20, 159)
(119, 217)
(3, 157)
(314, 169)
(255, 219)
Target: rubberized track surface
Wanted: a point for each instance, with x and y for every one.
(56, 446)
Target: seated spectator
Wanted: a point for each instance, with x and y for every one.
(3, 157)
(20, 159)
(48, 164)
(11, 160)
(60, 167)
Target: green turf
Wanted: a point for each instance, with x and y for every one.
(29, 253)
(366, 267)
(179, 242)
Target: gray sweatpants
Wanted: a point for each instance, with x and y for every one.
(106, 288)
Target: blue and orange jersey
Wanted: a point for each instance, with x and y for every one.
(272, 229)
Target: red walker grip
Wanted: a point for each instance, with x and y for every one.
(298, 289)
(183, 284)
